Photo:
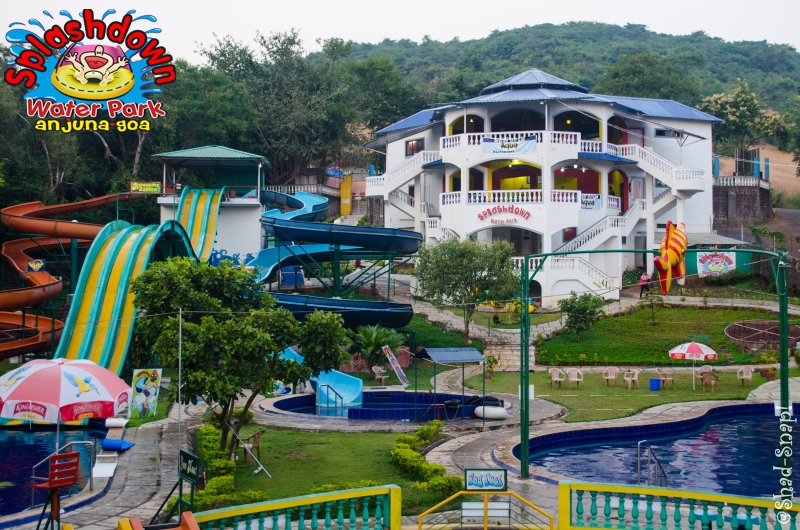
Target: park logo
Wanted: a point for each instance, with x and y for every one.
(87, 73)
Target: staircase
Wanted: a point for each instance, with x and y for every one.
(508, 356)
(686, 180)
(352, 219)
(400, 174)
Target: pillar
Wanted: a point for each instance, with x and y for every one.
(464, 182)
(651, 221)
(604, 186)
(679, 208)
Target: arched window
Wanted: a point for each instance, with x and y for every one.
(518, 120)
(580, 122)
(474, 125)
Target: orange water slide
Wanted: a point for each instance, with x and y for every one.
(32, 218)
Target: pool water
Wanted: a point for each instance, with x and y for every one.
(730, 455)
(21, 449)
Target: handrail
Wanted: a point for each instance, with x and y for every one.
(328, 402)
(660, 474)
(485, 495)
(387, 501)
(58, 450)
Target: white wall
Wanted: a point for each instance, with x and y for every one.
(239, 229)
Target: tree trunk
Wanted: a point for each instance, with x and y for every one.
(468, 313)
(239, 423)
(223, 425)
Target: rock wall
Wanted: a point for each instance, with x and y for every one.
(741, 205)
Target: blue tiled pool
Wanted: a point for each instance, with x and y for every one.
(385, 406)
(21, 449)
(729, 449)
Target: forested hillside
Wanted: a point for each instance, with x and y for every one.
(581, 51)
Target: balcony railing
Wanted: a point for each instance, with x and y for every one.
(551, 137)
(571, 196)
(615, 203)
(591, 146)
(505, 196)
(741, 181)
(403, 196)
(450, 198)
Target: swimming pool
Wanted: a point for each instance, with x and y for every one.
(727, 452)
(21, 449)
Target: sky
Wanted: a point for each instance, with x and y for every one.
(185, 24)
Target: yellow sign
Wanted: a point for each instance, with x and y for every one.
(145, 187)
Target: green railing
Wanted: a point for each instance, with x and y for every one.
(375, 508)
(595, 506)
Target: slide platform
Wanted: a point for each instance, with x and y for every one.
(350, 388)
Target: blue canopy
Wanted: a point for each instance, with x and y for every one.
(451, 355)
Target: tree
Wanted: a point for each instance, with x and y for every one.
(380, 92)
(368, 341)
(466, 273)
(335, 48)
(646, 75)
(582, 312)
(226, 344)
(745, 122)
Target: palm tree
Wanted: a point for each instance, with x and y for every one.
(368, 341)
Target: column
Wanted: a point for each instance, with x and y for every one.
(547, 183)
(651, 222)
(464, 183)
(604, 188)
(679, 208)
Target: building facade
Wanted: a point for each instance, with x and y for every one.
(543, 164)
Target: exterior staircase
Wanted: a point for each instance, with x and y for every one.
(400, 174)
(688, 181)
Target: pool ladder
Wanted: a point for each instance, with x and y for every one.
(656, 476)
(92, 452)
(338, 401)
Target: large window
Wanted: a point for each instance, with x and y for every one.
(415, 146)
(518, 120)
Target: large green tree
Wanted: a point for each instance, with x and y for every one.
(745, 123)
(466, 273)
(226, 345)
(581, 310)
(646, 75)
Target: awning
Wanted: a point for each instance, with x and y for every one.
(605, 156)
(436, 164)
(704, 239)
(451, 355)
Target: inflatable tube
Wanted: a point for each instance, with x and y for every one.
(473, 400)
(116, 422)
(491, 413)
(452, 404)
(116, 445)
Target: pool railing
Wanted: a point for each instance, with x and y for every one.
(596, 506)
(374, 507)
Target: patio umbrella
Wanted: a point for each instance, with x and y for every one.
(694, 351)
(61, 390)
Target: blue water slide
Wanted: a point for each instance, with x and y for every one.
(354, 312)
(286, 254)
(348, 387)
(307, 206)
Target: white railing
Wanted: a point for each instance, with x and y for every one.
(600, 279)
(450, 198)
(736, 181)
(449, 233)
(657, 162)
(505, 196)
(615, 203)
(661, 194)
(573, 196)
(451, 141)
(599, 228)
(433, 223)
(532, 263)
(591, 146)
(375, 183)
(513, 136)
(403, 196)
(404, 172)
(557, 137)
(763, 183)
(307, 188)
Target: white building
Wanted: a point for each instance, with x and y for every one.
(547, 166)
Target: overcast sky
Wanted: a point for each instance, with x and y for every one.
(186, 23)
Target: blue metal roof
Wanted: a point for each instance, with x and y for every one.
(529, 94)
(433, 165)
(660, 108)
(605, 156)
(451, 355)
(533, 78)
(421, 118)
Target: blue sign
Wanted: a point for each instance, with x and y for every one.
(486, 479)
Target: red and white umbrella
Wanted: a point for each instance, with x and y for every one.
(62, 390)
(694, 351)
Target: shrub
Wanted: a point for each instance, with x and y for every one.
(220, 467)
(427, 433)
(220, 485)
(407, 439)
(325, 488)
(203, 500)
(447, 486)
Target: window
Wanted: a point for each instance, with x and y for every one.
(624, 240)
(668, 133)
(661, 225)
(415, 146)
(570, 233)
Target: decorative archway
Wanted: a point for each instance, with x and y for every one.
(475, 124)
(619, 186)
(513, 175)
(518, 120)
(580, 122)
(579, 177)
(617, 131)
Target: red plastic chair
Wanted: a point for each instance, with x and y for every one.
(63, 473)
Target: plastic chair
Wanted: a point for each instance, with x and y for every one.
(556, 376)
(698, 374)
(252, 444)
(576, 376)
(710, 379)
(610, 374)
(666, 377)
(378, 372)
(745, 373)
(632, 378)
(63, 474)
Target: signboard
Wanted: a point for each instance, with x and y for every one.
(590, 201)
(145, 187)
(504, 208)
(189, 467)
(490, 146)
(715, 263)
(396, 366)
(146, 383)
(486, 479)
(35, 265)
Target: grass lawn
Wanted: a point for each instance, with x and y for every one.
(300, 460)
(636, 340)
(485, 319)
(429, 336)
(600, 402)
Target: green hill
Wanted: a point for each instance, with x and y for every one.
(581, 51)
